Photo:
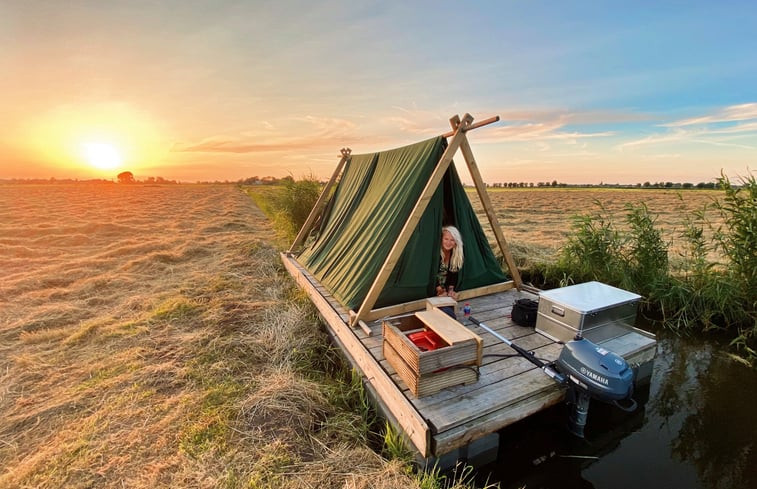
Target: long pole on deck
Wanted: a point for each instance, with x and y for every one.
(552, 373)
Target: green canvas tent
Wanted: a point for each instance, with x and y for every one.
(377, 241)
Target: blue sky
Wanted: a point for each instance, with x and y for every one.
(587, 92)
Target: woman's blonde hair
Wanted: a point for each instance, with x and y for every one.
(456, 260)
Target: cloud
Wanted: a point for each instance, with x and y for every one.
(663, 156)
(318, 132)
(731, 113)
(719, 128)
(516, 125)
(539, 131)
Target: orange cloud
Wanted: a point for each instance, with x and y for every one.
(324, 132)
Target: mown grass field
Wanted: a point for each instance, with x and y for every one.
(537, 222)
(149, 338)
(543, 216)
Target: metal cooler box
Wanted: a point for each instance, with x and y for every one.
(598, 311)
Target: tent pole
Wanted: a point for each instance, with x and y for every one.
(320, 203)
(488, 207)
(413, 219)
(478, 124)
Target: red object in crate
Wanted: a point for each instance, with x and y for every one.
(426, 340)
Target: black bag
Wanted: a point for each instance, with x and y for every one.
(524, 312)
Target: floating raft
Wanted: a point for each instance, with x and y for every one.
(509, 387)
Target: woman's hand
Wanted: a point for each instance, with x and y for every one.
(440, 291)
(451, 292)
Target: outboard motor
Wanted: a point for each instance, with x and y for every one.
(588, 370)
(593, 372)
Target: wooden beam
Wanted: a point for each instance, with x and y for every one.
(476, 125)
(315, 212)
(420, 304)
(401, 408)
(488, 207)
(415, 216)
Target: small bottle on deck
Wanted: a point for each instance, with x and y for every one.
(466, 309)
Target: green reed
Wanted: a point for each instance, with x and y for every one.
(693, 292)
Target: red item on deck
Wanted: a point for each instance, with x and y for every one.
(426, 340)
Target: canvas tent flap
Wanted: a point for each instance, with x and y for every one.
(373, 200)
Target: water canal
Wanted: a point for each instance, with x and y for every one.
(695, 427)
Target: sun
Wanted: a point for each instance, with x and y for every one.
(103, 156)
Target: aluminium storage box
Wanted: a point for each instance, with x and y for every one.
(598, 311)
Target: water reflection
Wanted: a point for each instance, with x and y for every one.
(695, 427)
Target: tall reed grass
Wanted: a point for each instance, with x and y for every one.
(288, 204)
(691, 291)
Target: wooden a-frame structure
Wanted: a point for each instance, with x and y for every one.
(458, 141)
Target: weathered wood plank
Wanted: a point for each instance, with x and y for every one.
(500, 395)
(462, 435)
(490, 377)
(417, 305)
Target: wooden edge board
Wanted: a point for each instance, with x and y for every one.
(499, 396)
(404, 412)
(461, 436)
(420, 304)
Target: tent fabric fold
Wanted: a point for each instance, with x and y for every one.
(366, 213)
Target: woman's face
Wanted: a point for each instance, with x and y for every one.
(448, 242)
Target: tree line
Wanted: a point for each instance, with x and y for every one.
(646, 185)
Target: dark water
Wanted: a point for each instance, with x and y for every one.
(695, 427)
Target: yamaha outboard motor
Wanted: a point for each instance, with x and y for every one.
(593, 372)
(589, 371)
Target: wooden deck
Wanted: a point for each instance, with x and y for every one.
(509, 388)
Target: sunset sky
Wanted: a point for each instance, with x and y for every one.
(587, 92)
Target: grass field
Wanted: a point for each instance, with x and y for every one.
(149, 338)
(541, 218)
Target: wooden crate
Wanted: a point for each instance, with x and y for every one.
(427, 372)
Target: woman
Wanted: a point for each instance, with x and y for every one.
(451, 253)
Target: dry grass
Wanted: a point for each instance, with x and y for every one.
(148, 338)
(539, 220)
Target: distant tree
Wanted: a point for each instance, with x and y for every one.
(687, 185)
(126, 177)
(554, 183)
